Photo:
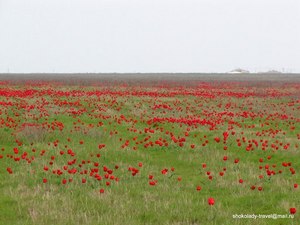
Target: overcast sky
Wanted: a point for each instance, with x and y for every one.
(149, 35)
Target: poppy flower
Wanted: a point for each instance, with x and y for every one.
(164, 171)
(211, 201)
(16, 150)
(260, 188)
(293, 210)
(217, 139)
(9, 170)
(152, 183)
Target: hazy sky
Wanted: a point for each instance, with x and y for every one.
(149, 35)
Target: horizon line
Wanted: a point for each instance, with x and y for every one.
(229, 73)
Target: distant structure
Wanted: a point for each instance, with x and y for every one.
(272, 72)
(239, 70)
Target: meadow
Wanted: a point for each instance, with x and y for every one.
(151, 152)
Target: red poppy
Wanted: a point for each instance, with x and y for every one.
(217, 139)
(260, 188)
(164, 171)
(293, 210)
(211, 201)
(152, 182)
(9, 170)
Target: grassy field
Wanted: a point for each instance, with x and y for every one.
(149, 153)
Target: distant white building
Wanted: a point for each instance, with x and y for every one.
(239, 70)
(272, 71)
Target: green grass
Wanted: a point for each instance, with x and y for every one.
(25, 199)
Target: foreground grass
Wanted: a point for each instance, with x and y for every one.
(25, 199)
